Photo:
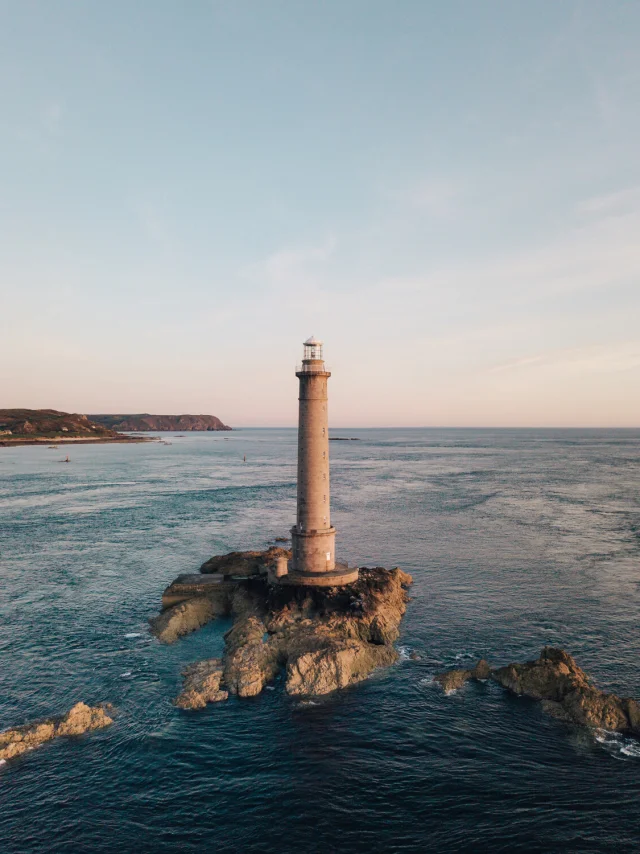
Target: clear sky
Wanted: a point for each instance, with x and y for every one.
(448, 193)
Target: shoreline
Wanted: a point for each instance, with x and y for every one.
(98, 440)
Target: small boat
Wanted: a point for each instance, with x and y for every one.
(53, 447)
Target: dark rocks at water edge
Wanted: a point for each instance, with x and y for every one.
(159, 423)
(80, 719)
(321, 638)
(564, 689)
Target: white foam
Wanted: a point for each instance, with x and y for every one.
(631, 749)
(130, 635)
(404, 653)
(125, 675)
(3, 761)
(618, 745)
(270, 688)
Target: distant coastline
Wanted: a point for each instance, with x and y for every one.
(41, 426)
(52, 427)
(160, 423)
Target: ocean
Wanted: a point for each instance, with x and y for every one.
(515, 539)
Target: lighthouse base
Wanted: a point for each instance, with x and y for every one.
(313, 551)
(338, 577)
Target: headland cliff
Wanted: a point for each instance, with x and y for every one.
(159, 423)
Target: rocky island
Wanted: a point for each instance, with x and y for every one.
(325, 624)
(160, 423)
(80, 719)
(321, 638)
(564, 688)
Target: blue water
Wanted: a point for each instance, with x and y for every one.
(515, 539)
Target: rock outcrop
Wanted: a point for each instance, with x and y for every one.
(201, 684)
(81, 718)
(244, 564)
(564, 689)
(451, 680)
(322, 638)
(335, 665)
(185, 617)
(192, 600)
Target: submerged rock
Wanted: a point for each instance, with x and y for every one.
(564, 689)
(451, 680)
(482, 670)
(323, 638)
(81, 718)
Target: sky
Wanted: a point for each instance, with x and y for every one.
(448, 194)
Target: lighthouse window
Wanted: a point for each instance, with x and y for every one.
(323, 431)
(328, 555)
(324, 453)
(324, 498)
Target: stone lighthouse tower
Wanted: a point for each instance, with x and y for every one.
(313, 536)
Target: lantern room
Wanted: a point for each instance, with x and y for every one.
(312, 350)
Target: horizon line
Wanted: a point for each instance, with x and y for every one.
(447, 427)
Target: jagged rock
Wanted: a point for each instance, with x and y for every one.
(594, 708)
(201, 684)
(325, 638)
(564, 688)
(81, 718)
(183, 618)
(335, 666)
(250, 661)
(633, 713)
(452, 680)
(549, 677)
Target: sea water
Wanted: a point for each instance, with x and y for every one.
(515, 539)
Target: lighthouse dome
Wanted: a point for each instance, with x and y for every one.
(313, 342)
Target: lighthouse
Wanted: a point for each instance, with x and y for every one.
(313, 536)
